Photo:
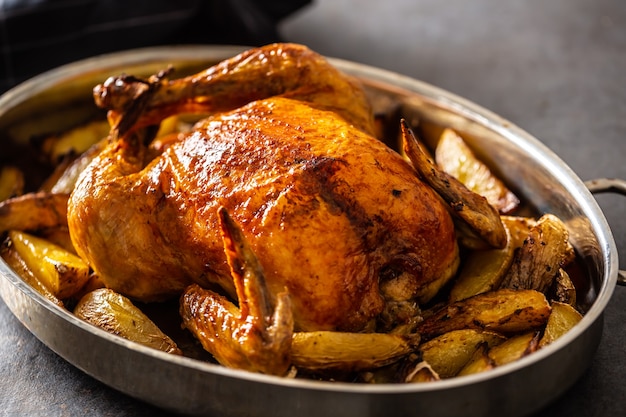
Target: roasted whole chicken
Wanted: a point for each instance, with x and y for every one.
(279, 212)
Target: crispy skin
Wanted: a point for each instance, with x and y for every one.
(251, 335)
(329, 210)
(326, 208)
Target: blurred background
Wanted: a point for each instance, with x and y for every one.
(556, 68)
(36, 35)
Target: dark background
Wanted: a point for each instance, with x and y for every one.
(36, 35)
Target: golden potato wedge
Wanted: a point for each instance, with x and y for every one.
(33, 211)
(514, 348)
(448, 353)
(11, 182)
(342, 351)
(116, 314)
(17, 264)
(47, 123)
(75, 141)
(504, 311)
(456, 158)
(561, 321)
(62, 272)
(479, 362)
(482, 271)
(537, 262)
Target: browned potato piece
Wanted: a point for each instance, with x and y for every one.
(75, 141)
(561, 320)
(504, 311)
(93, 283)
(537, 262)
(348, 351)
(17, 264)
(11, 182)
(479, 362)
(116, 314)
(514, 348)
(518, 228)
(448, 353)
(482, 271)
(33, 211)
(478, 223)
(457, 159)
(62, 272)
(564, 289)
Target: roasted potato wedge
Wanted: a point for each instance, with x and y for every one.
(478, 222)
(536, 264)
(564, 289)
(75, 141)
(448, 353)
(504, 311)
(561, 320)
(60, 271)
(33, 211)
(17, 264)
(116, 314)
(518, 228)
(484, 270)
(456, 158)
(514, 348)
(11, 182)
(348, 351)
(486, 358)
(479, 362)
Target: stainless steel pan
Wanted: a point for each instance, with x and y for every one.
(190, 386)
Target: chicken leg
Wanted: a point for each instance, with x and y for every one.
(287, 70)
(250, 336)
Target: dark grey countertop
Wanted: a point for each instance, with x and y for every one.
(556, 68)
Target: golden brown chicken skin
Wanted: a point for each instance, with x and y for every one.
(337, 219)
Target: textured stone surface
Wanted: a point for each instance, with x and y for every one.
(556, 68)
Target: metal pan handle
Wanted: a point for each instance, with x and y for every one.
(609, 185)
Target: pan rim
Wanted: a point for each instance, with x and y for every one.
(547, 158)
